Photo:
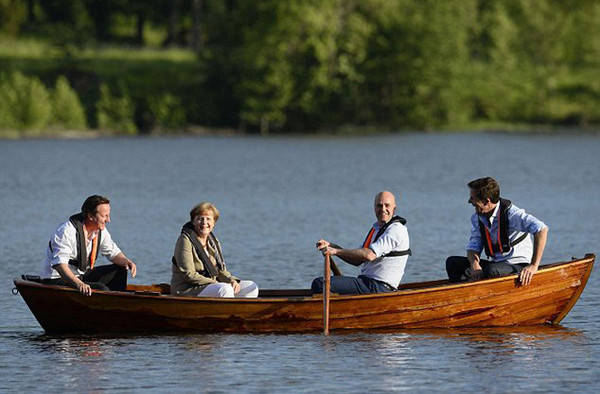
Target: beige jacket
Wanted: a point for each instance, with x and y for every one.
(186, 278)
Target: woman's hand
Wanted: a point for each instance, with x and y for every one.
(236, 287)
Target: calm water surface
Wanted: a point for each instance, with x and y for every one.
(277, 197)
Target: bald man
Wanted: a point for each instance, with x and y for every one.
(383, 254)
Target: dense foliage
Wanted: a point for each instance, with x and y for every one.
(283, 65)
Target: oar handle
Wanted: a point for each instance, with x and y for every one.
(326, 293)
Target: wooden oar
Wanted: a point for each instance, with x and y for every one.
(326, 288)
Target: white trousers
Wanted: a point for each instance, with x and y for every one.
(248, 289)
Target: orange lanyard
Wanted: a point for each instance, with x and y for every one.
(94, 252)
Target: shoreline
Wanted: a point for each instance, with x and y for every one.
(342, 131)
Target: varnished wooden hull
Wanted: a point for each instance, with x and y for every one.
(439, 304)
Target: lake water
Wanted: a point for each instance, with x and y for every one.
(277, 196)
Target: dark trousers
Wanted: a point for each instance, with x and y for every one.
(352, 285)
(103, 277)
(459, 269)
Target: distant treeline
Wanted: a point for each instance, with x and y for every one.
(304, 65)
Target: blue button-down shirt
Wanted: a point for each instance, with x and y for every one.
(519, 222)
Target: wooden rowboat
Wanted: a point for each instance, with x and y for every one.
(437, 304)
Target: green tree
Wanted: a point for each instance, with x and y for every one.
(523, 52)
(115, 113)
(12, 15)
(67, 109)
(167, 111)
(416, 57)
(286, 60)
(24, 102)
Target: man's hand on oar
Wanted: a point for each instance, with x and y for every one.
(324, 247)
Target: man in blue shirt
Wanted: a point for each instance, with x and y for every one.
(502, 230)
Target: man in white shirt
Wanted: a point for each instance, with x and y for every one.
(502, 230)
(383, 254)
(75, 246)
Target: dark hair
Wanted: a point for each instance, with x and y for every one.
(91, 203)
(485, 188)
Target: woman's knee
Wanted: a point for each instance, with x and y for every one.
(221, 290)
(225, 291)
(248, 289)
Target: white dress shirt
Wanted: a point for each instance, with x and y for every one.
(64, 248)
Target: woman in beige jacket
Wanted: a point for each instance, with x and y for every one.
(198, 264)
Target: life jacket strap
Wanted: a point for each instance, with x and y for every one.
(394, 253)
(367, 242)
(82, 261)
(210, 270)
(503, 242)
(489, 250)
(518, 240)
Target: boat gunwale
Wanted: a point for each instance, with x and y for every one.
(443, 285)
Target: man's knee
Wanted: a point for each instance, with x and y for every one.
(455, 260)
(98, 286)
(498, 270)
(455, 268)
(317, 285)
(491, 272)
(119, 279)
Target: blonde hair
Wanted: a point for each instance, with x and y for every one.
(203, 207)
